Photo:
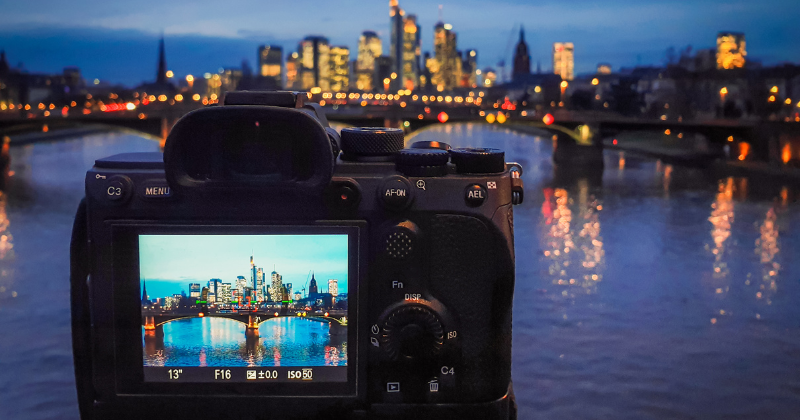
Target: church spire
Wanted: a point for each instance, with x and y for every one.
(161, 76)
(521, 33)
(144, 291)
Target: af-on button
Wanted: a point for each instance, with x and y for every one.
(395, 193)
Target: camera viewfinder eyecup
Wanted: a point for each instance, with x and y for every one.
(253, 147)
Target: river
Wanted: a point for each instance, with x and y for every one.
(647, 291)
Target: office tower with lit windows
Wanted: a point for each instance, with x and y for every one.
(412, 45)
(445, 66)
(275, 287)
(194, 290)
(489, 76)
(522, 59)
(229, 79)
(288, 287)
(333, 287)
(731, 50)
(315, 63)
(564, 60)
(396, 15)
(260, 283)
(293, 71)
(224, 293)
(270, 63)
(369, 48)
(339, 68)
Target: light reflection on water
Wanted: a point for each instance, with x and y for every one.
(636, 342)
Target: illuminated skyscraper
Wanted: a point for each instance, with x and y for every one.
(315, 63)
(333, 287)
(253, 275)
(396, 42)
(383, 70)
(270, 63)
(522, 59)
(260, 284)
(275, 288)
(369, 48)
(411, 53)
(292, 71)
(563, 60)
(225, 293)
(340, 68)
(194, 290)
(445, 66)
(731, 51)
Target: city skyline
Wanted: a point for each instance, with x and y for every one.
(169, 263)
(635, 33)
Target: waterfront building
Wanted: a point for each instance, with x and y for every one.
(260, 284)
(396, 41)
(489, 77)
(315, 63)
(731, 50)
(194, 290)
(288, 287)
(522, 59)
(412, 45)
(241, 283)
(445, 66)
(369, 48)
(564, 60)
(253, 274)
(339, 68)
(297, 296)
(225, 293)
(229, 79)
(333, 287)
(270, 63)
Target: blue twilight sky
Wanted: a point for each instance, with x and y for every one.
(170, 262)
(117, 40)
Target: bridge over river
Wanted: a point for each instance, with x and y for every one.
(153, 320)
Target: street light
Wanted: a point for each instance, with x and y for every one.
(722, 93)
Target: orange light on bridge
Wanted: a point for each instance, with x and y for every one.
(548, 119)
(276, 314)
(201, 314)
(490, 118)
(744, 149)
(327, 314)
(786, 153)
(501, 118)
(443, 117)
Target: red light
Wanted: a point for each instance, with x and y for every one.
(548, 119)
(615, 142)
(443, 117)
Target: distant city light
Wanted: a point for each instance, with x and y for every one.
(170, 74)
(97, 81)
(548, 119)
(130, 106)
(443, 117)
(537, 89)
(564, 84)
(595, 81)
(774, 89)
(196, 97)
(189, 78)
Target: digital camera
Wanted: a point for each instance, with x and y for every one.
(257, 271)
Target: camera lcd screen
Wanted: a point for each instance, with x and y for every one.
(244, 308)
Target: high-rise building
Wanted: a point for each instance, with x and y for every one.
(383, 71)
(369, 48)
(288, 287)
(396, 15)
(315, 60)
(333, 287)
(253, 276)
(270, 63)
(225, 293)
(489, 77)
(275, 287)
(731, 50)
(563, 60)
(297, 296)
(194, 290)
(445, 66)
(522, 59)
(293, 65)
(340, 68)
(241, 283)
(412, 45)
(260, 284)
(214, 286)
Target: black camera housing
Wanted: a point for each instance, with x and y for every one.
(431, 262)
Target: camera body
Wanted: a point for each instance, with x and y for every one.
(416, 247)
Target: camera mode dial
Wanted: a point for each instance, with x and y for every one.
(412, 332)
(423, 162)
(371, 142)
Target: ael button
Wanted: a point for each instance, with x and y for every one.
(475, 195)
(395, 193)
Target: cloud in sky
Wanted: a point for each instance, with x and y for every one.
(116, 41)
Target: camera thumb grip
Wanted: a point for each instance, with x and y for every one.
(81, 320)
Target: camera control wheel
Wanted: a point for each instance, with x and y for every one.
(412, 332)
(371, 142)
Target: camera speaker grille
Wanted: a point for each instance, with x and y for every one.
(399, 244)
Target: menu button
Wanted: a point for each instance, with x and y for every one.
(155, 189)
